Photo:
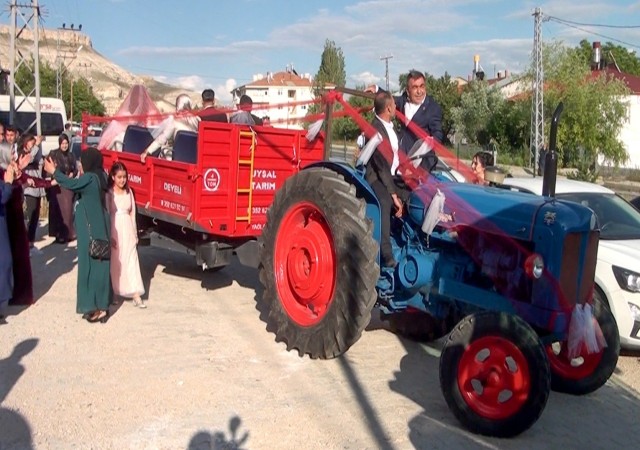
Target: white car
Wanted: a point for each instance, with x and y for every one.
(618, 267)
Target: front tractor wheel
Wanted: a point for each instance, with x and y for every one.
(494, 374)
(318, 265)
(588, 372)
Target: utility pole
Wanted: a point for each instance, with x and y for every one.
(537, 91)
(386, 67)
(62, 56)
(27, 15)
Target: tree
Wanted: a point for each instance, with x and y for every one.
(345, 127)
(627, 60)
(594, 108)
(480, 113)
(83, 98)
(331, 69)
(514, 136)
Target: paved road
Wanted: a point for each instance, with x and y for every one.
(198, 370)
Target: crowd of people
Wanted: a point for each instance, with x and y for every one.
(20, 155)
(85, 204)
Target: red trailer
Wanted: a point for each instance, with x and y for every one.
(212, 198)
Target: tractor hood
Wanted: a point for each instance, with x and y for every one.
(500, 210)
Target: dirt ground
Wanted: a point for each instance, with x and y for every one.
(197, 370)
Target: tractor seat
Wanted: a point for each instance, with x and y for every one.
(185, 147)
(136, 139)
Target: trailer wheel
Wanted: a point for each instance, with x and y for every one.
(586, 373)
(318, 265)
(494, 374)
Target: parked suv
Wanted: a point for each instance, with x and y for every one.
(618, 267)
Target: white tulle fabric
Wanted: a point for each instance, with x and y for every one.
(137, 104)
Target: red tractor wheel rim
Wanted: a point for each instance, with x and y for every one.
(494, 377)
(572, 369)
(305, 264)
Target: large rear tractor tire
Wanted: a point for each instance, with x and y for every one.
(318, 265)
(494, 374)
(588, 372)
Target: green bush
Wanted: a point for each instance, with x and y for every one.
(584, 172)
(633, 175)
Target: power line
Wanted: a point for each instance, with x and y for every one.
(592, 24)
(170, 72)
(593, 32)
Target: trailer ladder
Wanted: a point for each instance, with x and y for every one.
(244, 137)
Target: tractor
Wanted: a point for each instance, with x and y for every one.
(498, 274)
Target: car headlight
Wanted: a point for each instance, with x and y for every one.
(635, 312)
(627, 279)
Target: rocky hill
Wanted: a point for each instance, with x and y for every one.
(110, 82)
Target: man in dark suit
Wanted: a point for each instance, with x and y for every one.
(420, 110)
(209, 112)
(379, 172)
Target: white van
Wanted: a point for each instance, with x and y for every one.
(53, 116)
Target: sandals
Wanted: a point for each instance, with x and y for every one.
(99, 316)
(137, 301)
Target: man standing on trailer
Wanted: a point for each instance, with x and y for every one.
(244, 114)
(209, 112)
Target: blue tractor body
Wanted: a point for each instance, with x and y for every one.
(476, 261)
(508, 277)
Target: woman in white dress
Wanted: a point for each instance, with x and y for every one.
(125, 266)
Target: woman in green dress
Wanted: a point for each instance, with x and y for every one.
(91, 219)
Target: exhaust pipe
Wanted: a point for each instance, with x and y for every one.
(551, 157)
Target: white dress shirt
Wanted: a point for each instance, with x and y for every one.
(393, 140)
(410, 109)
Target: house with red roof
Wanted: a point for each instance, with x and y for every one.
(282, 97)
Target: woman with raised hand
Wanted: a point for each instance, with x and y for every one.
(91, 222)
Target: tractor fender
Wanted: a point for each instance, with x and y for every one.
(355, 177)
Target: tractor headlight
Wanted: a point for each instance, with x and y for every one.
(628, 280)
(534, 266)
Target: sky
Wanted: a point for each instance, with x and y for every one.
(222, 44)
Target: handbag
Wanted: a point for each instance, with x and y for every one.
(98, 248)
